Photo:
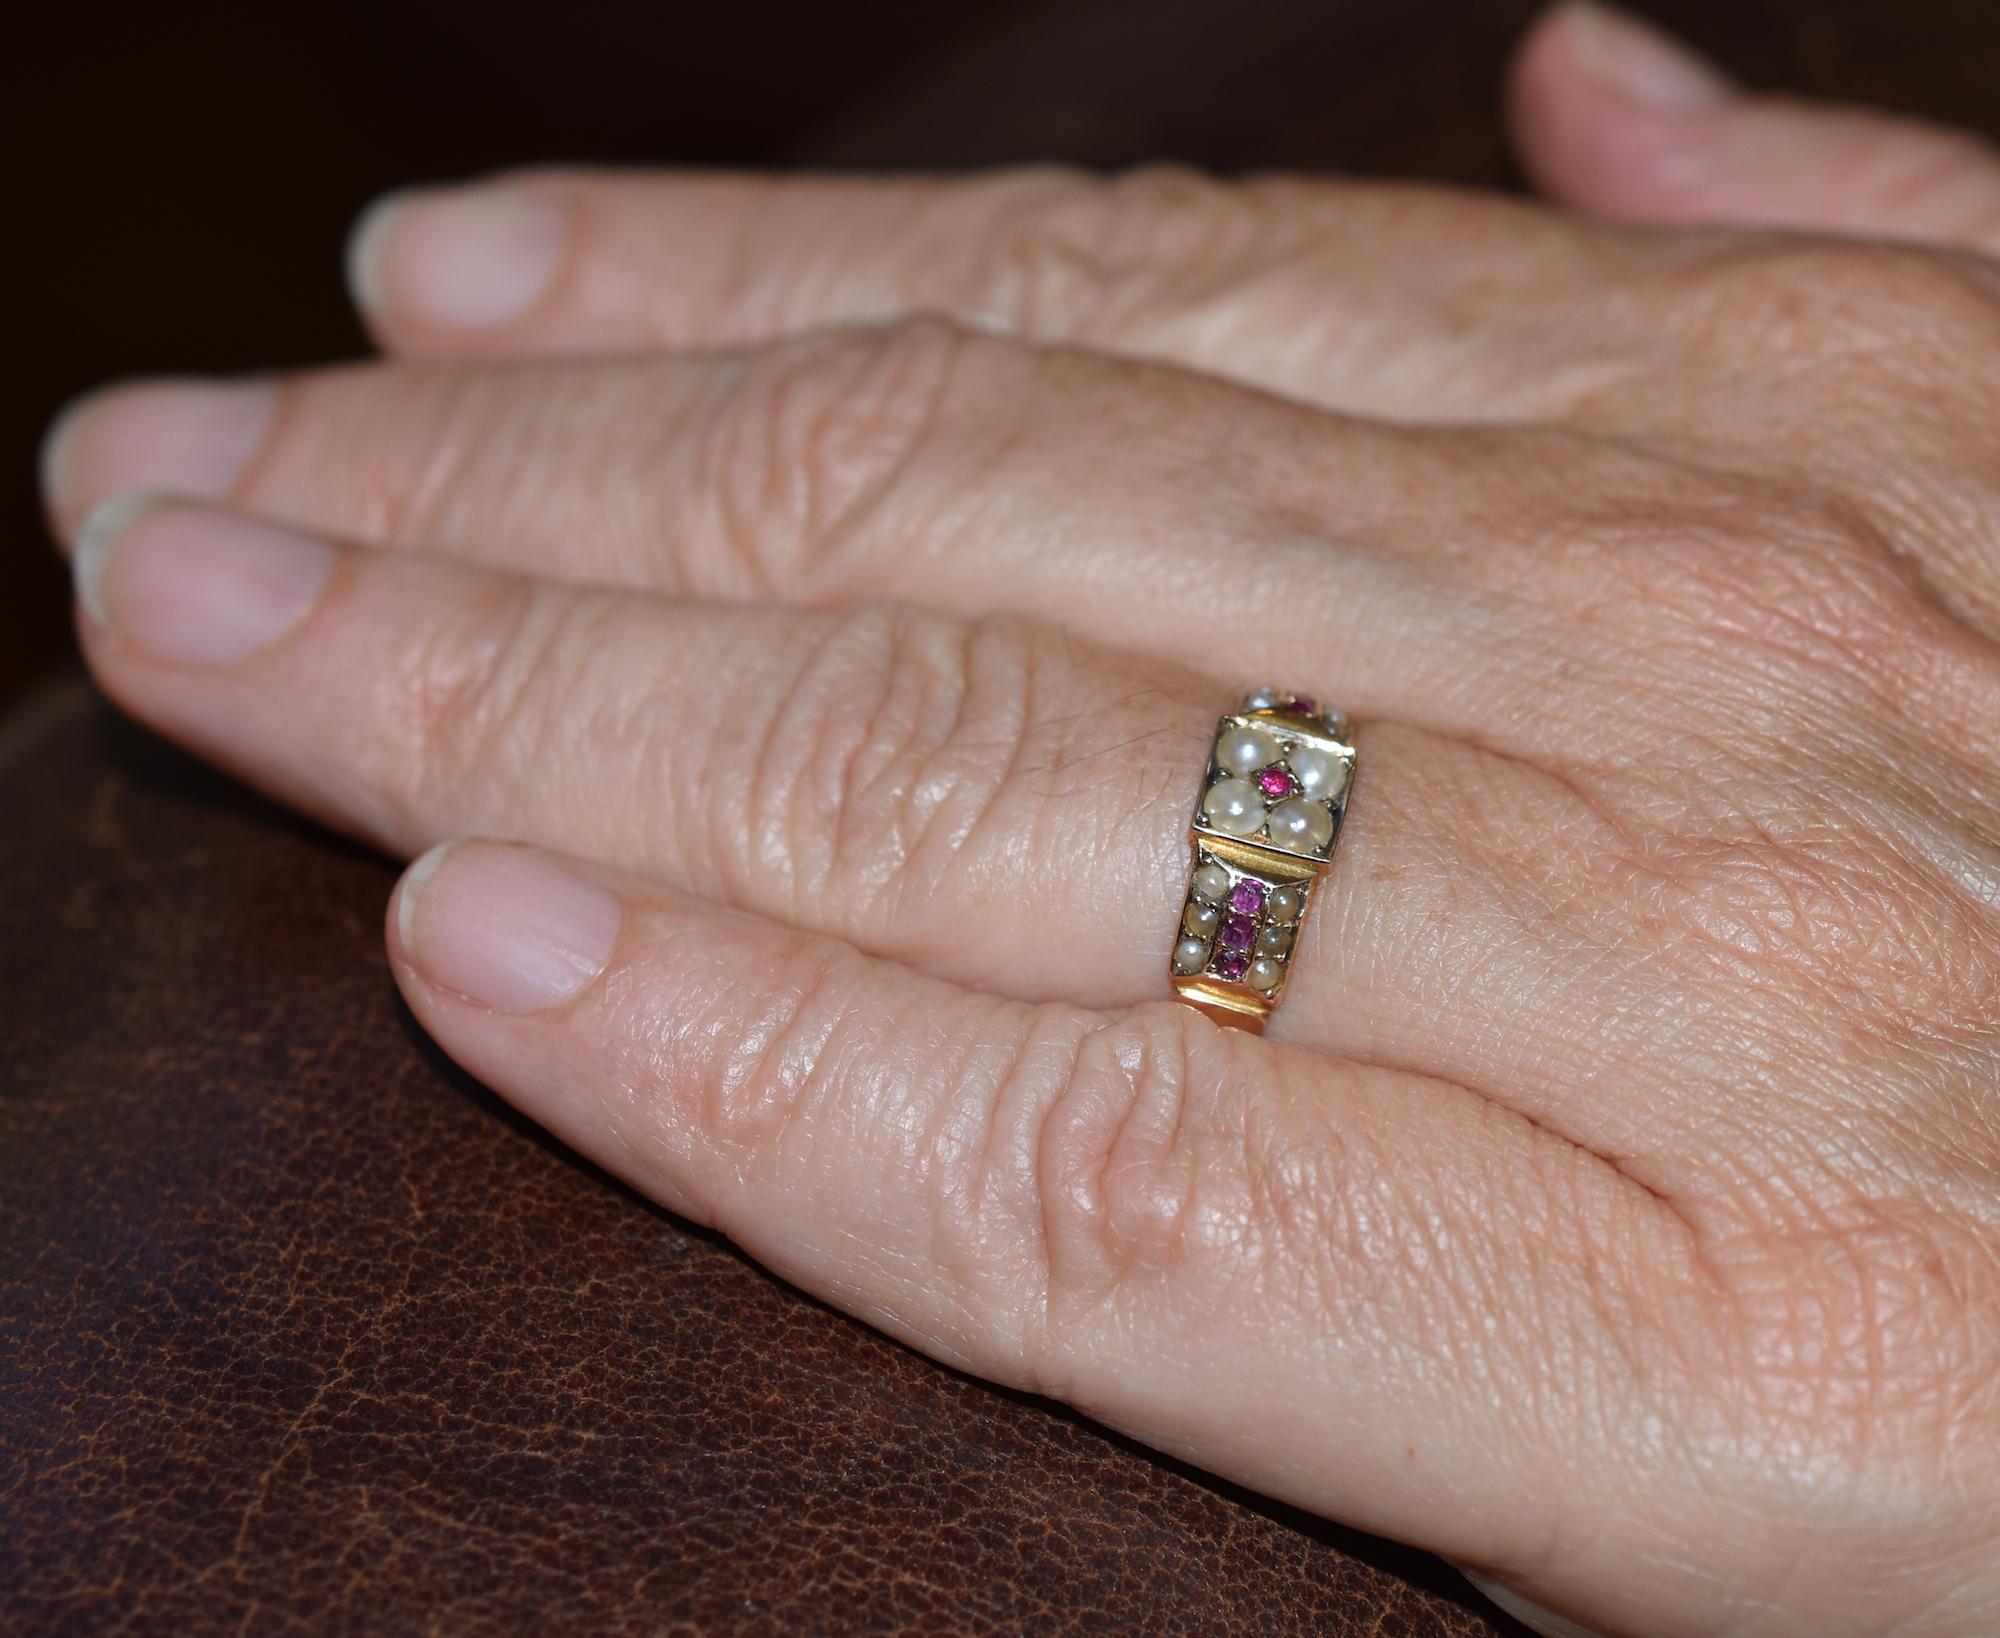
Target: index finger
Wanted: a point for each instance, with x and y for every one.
(1349, 295)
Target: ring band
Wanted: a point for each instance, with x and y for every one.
(1279, 773)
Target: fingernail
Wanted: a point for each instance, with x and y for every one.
(1638, 64)
(455, 259)
(193, 438)
(187, 586)
(504, 926)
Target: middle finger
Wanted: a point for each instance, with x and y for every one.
(1133, 503)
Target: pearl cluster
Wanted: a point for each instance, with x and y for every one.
(1278, 789)
(1238, 927)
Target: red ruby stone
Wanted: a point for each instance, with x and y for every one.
(1237, 932)
(1232, 964)
(1299, 705)
(1247, 897)
(1274, 783)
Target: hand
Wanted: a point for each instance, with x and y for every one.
(1615, 1203)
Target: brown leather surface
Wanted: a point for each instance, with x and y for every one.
(302, 1331)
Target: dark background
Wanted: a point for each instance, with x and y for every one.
(300, 1329)
(181, 176)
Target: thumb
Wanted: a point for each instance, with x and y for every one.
(1613, 117)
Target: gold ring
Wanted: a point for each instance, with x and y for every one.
(1279, 773)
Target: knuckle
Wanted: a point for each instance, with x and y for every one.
(901, 734)
(1803, 843)
(813, 438)
(1832, 919)
(1165, 1162)
(1873, 312)
(1116, 1156)
(1939, 176)
(328, 450)
(1887, 358)
(1082, 258)
(1868, 1339)
(764, 1084)
(466, 708)
(747, 1056)
(920, 763)
(1738, 570)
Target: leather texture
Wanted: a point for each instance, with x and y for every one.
(305, 1332)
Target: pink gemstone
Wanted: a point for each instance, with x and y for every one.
(1274, 783)
(1232, 964)
(1247, 897)
(1237, 932)
(1299, 705)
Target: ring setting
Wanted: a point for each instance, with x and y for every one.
(1279, 773)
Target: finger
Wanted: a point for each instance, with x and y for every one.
(1435, 576)
(1616, 118)
(925, 465)
(1355, 296)
(997, 804)
(1243, 1255)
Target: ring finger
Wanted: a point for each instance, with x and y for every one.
(989, 802)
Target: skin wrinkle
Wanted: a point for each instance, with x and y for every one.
(1015, 735)
(1139, 1224)
(877, 780)
(1817, 1353)
(1010, 1077)
(414, 510)
(775, 851)
(821, 1077)
(918, 802)
(796, 1051)
(1055, 1188)
(1026, 257)
(733, 506)
(932, 791)
(440, 698)
(760, 491)
(910, 375)
(1832, 926)
(778, 1052)
(926, 843)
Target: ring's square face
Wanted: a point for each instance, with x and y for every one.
(1276, 779)
(1265, 824)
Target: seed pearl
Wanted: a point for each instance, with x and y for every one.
(1211, 881)
(1245, 750)
(1273, 941)
(1320, 774)
(1260, 699)
(1284, 904)
(1200, 919)
(1234, 807)
(1265, 974)
(1301, 827)
(1190, 955)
